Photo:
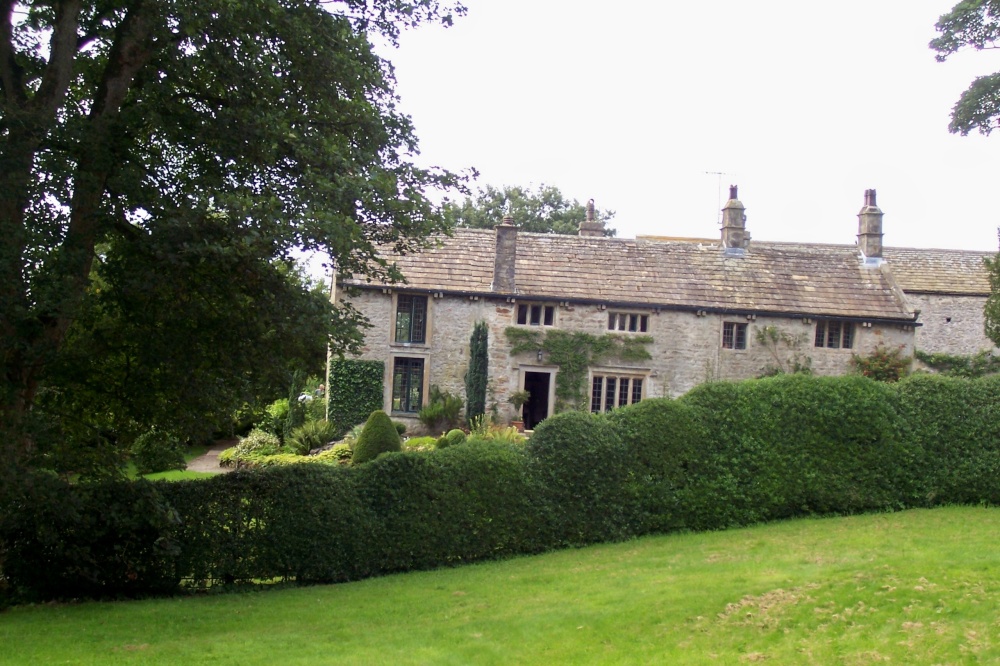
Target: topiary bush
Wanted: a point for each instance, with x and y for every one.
(377, 437)
(451, 438)
(585, 473)
(157, 451)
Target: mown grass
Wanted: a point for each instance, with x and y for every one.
(916, 587)
(174, 474)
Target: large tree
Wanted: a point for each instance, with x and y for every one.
(972, 24)
(544, 210)
(157, 136)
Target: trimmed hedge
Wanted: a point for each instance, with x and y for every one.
(725, 454)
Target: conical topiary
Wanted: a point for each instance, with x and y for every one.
(378, 436)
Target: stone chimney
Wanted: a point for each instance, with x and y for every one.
(870, 228)
(590, 226)
(734, 232)
(506, 255)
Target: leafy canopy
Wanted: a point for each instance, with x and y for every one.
(972, 24)
(544, 210)
(160, 163)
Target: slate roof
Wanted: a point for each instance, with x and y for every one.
(939, 271)
(807, 280)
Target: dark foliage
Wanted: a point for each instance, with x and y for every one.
(477, 376)
(726, 454)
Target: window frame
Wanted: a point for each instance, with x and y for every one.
(735, 336)
(624, 385)
(834, 334)
(623, 321)
(425, 332)
(421, 387)
(539, 314)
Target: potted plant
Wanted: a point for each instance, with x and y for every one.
(518, 398)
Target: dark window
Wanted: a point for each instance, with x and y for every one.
(536, 315)
(608, 392)
(596, 393)
(734, 335)
(624, 321)
(835, 334)
(407, 384)
(411, 318)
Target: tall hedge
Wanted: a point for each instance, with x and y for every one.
(355, 391)
(584, 473)
(477, 376)
(725, 454)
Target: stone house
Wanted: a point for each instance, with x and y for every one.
(697, 309)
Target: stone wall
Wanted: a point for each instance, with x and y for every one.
(951, 324)
(686, 348)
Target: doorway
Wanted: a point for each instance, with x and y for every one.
(537, 384)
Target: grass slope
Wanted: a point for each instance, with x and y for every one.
(916, 587)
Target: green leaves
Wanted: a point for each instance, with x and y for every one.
(975, 24)
(544, 210)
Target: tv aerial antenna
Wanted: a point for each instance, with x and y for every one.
(718, 204)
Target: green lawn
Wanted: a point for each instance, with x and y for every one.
(175, 474)
(917, 587)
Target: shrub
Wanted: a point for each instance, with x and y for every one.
(310, 435)
(273, 420)
(378, 437)
(584, 471)
(442, 412)
(257, 442)
(157, 451)
(427, 443)
(452, 438)
(883, 364)
(400, 428)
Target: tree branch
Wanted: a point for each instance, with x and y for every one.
(62, 53)
(11, 74)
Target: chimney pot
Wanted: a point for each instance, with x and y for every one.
(733, 192)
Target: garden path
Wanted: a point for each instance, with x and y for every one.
(209, 462)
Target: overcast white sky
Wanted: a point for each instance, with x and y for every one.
(803, 105)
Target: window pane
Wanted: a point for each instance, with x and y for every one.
(612, 317)
(848, 335)
(820, 333)
(407, 384)
(536, 315)
(522, 314)
(609, 402)
(595, 394)
(550, 313)
(643, 323)
(633, 323)
(419, 319)
(833, 334)
(727, 335)
(623, 392)
(741, 336)
(636, 390)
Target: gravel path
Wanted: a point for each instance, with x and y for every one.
(210, 461)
